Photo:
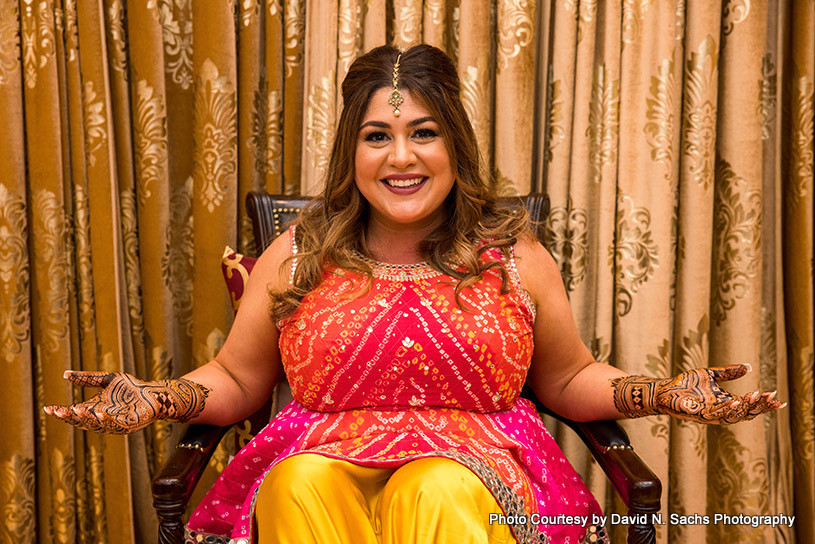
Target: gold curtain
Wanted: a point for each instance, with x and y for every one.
(675, 139)
(678, 151)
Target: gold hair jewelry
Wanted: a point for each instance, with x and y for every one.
(395, 98)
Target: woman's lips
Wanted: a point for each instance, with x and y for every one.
(404, 182)
(404, 186)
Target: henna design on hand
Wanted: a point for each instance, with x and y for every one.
(634, 395)
(127, 404)
(694, 395)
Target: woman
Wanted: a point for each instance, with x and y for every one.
(407, 312)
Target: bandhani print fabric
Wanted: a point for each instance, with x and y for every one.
(401, 372)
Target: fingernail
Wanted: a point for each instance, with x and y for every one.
(47, 410)
(66, 374)
(749, 367)
(784, 405)
(771, 396)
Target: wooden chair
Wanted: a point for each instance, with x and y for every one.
(175, 481)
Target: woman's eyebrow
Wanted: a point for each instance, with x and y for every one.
(381, 124)
(420, 120)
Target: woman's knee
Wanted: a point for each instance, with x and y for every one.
(431, 480)
(300, 477)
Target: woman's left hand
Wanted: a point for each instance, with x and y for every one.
(694, 395)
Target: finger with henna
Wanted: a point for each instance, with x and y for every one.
(89, 378)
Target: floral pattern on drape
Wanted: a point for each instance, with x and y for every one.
(675, 140)
(672, 132)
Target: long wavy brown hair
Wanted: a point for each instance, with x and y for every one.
(331, 230)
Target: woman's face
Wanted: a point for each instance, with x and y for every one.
(402, 166)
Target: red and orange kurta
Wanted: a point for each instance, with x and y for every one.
(401, 372)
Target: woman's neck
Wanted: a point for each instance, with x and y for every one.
(396, 246)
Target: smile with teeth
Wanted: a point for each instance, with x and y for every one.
(404, 182)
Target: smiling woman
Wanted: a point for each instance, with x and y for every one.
(403, 171)
(408, 310)
(361, 214)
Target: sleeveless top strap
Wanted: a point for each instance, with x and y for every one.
(515, 280)
(293, 230)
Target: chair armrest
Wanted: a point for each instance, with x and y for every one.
(175, 481)
(637, 485)
(177, 477)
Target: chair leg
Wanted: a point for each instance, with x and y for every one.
(641, 533)
(170, 525)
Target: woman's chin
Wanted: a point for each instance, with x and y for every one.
(408, 218)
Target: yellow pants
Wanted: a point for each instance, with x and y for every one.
(310, 498)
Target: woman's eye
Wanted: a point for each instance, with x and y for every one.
(425, 133)
(376, 137)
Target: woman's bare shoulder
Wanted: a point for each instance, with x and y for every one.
(538, 270)
(271, 265)
(530, 252)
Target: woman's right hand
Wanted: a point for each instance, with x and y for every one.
(127, 404)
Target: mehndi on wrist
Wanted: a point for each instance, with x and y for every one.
(636, 396)
(180, 400)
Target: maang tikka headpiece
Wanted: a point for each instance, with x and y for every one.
(395, 99)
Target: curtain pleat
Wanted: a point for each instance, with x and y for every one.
(797, 208)
(674, 138)
(251, 110)
(294, 94)
(514, 66)
(696, 75)
(44, 123)
(475, 70)
(18, 456)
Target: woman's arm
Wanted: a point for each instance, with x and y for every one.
(563, 374)
(568, 380)
(246, 369)
(227, 389)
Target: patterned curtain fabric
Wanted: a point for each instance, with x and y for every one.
(679, 156)
(675, 139)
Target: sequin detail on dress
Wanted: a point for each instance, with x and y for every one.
(406, 342)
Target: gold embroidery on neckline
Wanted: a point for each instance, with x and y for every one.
(399, 272)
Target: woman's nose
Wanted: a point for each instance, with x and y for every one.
(402, 154)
